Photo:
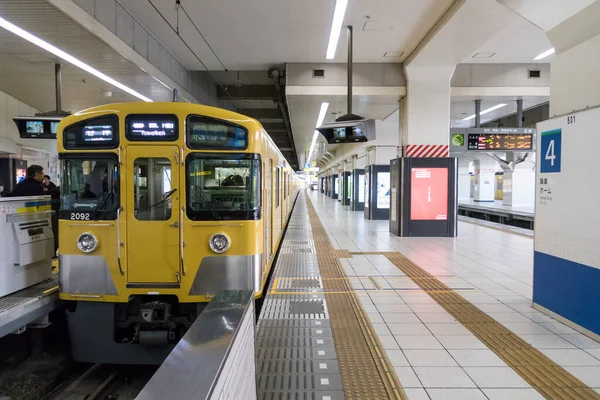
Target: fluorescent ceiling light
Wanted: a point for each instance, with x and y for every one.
(544, 54)
(487, 110)
(320, 119)
(336, 27)
(67, 57)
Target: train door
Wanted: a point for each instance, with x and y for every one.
(267, 214)
(152, 217)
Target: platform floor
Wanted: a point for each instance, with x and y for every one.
(453, 316)
(25, 306)
(497, 206)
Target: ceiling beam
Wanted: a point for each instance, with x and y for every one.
(249, 92)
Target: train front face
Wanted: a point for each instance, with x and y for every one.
(161, 210)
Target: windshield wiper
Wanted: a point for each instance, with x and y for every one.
(102, 203)
(201, 192)
(165, 198)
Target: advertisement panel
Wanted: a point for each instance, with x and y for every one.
(361, 188)
(383, 190)
(429, 198)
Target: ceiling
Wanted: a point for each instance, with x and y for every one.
(462, 107)
(519, 42)
(28, 71)
(252, 35)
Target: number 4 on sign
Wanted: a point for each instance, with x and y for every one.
(550, 151)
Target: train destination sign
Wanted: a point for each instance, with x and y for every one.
(98, 133)
(514, 142)
(152, 127)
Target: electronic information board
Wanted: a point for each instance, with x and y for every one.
(483, 141)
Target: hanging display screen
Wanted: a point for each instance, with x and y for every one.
(485, 141)
(383, 190)
(152, 127)
(429, 194)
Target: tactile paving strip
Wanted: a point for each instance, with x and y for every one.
(365, 370)
(543, 374)
(295, 354)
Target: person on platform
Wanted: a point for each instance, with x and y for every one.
(32, 184)
(54, 192)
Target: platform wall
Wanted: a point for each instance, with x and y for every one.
(237, 379)
(567, 219)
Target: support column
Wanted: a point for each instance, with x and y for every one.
(519, 178)
(485, 170)
(426, 113)
(464, 179)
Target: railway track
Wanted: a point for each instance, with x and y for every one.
(103, 382)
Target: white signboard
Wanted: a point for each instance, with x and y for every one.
(383, 190)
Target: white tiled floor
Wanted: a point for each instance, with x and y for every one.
(434, 356)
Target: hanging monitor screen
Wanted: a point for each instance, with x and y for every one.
(489, 142)
(42, 127)
(152, 127)
(429, 194)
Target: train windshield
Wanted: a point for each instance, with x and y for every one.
(89, 187)
(223, 187)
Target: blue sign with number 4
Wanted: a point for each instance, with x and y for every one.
(550, 152)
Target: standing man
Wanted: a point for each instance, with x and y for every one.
(32, 184)
(54, 192)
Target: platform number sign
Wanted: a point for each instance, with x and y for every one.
(550, 151)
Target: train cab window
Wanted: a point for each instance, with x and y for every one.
(152, 189)
(90, 186)
(223, 187)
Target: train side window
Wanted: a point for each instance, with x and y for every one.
(276, 187)
(152, 189)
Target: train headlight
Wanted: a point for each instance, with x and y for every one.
(87, 242)
(219, 242)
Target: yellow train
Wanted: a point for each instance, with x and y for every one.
(163, 205)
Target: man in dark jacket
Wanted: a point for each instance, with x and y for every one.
(32, 184)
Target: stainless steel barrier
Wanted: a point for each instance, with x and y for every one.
(215, 358)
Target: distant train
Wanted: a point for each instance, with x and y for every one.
(163, 205)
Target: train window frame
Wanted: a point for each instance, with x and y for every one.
(72, 214)
(277, 186)
(207, 119)
(150, 116)
(112, 119)
(221, 215)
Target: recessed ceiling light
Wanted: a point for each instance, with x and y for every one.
(320, 119)
(544, 54)
(67, 57)
(483, 55)
(487, 110)
(393, 54)
(336, 27)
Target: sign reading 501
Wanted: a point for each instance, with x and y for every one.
(550, 151)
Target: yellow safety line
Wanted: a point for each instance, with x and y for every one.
(53, 289)
(274, 287)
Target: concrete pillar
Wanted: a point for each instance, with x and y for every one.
(519, 181)
(485, 170)
(464, 179)
(425, 117)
